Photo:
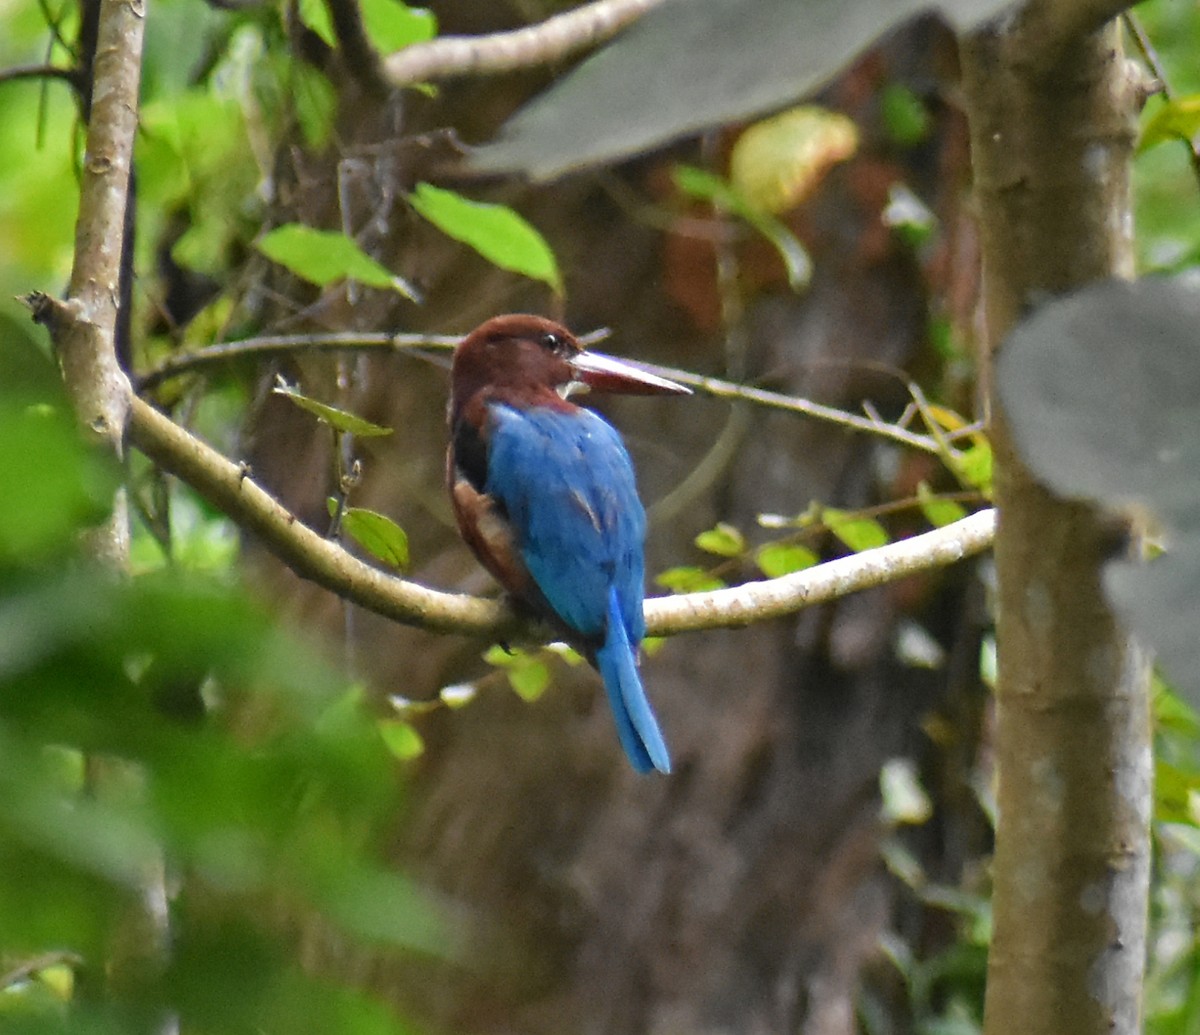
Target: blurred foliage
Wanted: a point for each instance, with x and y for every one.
(164, 721)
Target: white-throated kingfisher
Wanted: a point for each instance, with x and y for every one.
(544, 494)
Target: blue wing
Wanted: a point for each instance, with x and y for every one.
(567, 485)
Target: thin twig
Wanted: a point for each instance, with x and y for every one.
(67, 75)
(542, 44)
(185, 362)
(1135, 28)
(229, 487)
(358, 56)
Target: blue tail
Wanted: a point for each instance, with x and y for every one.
(636, 724)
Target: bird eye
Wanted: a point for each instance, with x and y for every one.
(552, 341)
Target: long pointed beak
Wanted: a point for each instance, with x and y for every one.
(602, 373)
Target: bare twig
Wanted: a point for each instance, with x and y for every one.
(229, 487)
(360, 58)
(542, 44)
(185, 362)
(16, 72)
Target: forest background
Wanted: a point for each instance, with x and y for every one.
(231, 800)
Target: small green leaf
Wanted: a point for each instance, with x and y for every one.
(724, 540)
(392, 25)
(974, 467)
(905, 116)
(858, 533)
(401, 738)
(323, 256)
(331, 415)
(494, 231)
(378, 534)
(699, 183)
(651, 645)
(529, 679)
(776, 559)
(1175, 119)
(938, 512)
(314, 15)
(688, 580)
(527, 673)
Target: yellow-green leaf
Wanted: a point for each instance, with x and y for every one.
(688, 580)
(376, 533)
(324, 256)
(776, 559)
(724, 540)
(938, 512)
(974, 467)
(401, 738)
(392, 25)
(699, 183)
(778, 162)
(495, 231)
(331, 415)
(1175, 119)
(858, 533)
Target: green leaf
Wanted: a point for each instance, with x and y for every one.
(315, 16)
(401, 738)
(324, 256)
(724, 540)
(974, 467)
(392, 25)
(688, 580)
(938, 512)
(904, 115)
(528, 674)
(858, 533)
(529, 679)
(331, 415)
(376, 533)
(699, 183)
(494, 231)
(778, 162)
(776, 559)
(1175, 119)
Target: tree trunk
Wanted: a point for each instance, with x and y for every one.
(1052, 139)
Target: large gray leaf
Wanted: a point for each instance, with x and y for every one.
(692, 64)
(1102, 390)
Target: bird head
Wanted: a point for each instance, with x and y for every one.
(530, 356)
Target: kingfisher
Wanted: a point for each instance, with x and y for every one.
(544, 494)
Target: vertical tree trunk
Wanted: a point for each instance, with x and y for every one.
(1052, 137)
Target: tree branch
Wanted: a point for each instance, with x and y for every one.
(542, 44)
(1054, 26)
(16, 72)
(196, 359)
(359, 58)
(229, 487)
(83, 328)
(184, 362)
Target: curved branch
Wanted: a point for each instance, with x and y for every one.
(541, 44)
(229, 487)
